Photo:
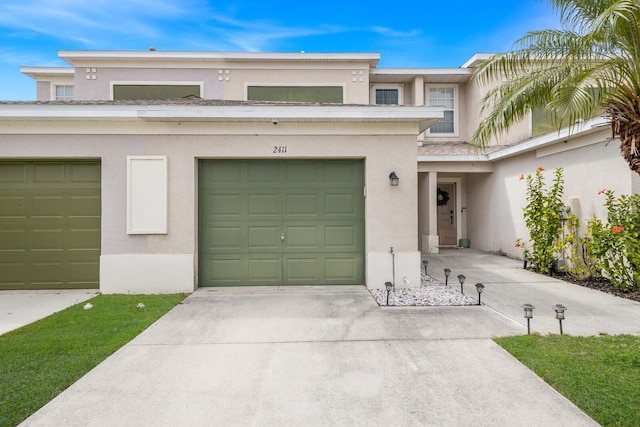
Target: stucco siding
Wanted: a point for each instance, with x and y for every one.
(496, 201)
(390, 212)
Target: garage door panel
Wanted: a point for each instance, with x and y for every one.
(303, 237)
(13, 173)
(48, 173)
(229, 237)
(47, 206)
(264, 271)
(305, 173)
(301, 270)
(49, 220)
(341, 205)
(47, 239)
(318, 216)
(264, 205)
(263, 237)
(304, 205)
(12, 274)
(13, 206)
(84, 206)
(342, 268)
(223, 205)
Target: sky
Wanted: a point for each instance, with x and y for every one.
(406, 34)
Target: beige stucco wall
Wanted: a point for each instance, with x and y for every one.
(391, 212)
(473, 102)
(495, 200)
(227, 80)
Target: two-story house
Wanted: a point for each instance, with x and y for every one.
(166, 171)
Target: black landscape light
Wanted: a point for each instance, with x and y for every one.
(447, 272)
(461, 279)
(425, 263)
(480, 289)
(528, 314)
(560, 309)
(389, 286)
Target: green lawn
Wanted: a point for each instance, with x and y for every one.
(601, 375)
(42, 359)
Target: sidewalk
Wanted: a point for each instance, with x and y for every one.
(19, 308)
(508, 286)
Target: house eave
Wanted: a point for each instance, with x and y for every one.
(423, 116)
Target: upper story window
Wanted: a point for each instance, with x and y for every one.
(319, 94)
(156, 91)
(386, 94)
(442, 96)
(64, 93)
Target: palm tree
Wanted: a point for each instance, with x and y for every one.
(590, 66)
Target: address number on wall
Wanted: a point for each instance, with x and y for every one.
(279, 149)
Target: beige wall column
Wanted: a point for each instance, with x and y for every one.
(429, 232)
(418, 90)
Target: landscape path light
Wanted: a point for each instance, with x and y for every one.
(461, 279)
(447, 272)
(560, 309)
(528, 314)
(425, 263)
(389, 286)
(480, 289)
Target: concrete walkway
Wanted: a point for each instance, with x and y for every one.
(508, 286)
(330, 356)
(19, 308)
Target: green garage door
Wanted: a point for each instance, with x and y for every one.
(49, 224)
(295, 222)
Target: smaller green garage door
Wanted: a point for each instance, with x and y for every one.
(294, 222)
(49, 224)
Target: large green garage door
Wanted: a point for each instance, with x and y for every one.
(49, 224)
(294, 222)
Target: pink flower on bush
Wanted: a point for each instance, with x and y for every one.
(617, 229)
(602, 191)
(521, 177)
(517, 244)
(540, 169)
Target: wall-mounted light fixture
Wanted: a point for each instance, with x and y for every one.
(394, 179)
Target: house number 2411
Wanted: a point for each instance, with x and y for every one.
(279, 149)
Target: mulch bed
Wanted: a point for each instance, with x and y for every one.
(601, 284)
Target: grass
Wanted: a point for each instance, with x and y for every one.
(42, 359)
(601, 375)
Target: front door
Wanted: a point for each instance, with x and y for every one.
(446, 199)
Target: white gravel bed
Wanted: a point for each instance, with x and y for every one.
(430, 293)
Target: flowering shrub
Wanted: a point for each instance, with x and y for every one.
(543, 217)
(616, 244)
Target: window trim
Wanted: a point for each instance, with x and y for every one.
(456, 123)
(155, 83)
(398, 87)
(55, 85)
(295, 84)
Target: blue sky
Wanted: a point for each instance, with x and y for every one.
(412, 34)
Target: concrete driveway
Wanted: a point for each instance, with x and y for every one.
(309, 356)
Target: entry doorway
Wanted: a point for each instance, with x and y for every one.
(447, 214)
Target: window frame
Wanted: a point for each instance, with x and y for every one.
(295, 84)
(54, 92)
(154, 83)
(398, 87)
(456, 124)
